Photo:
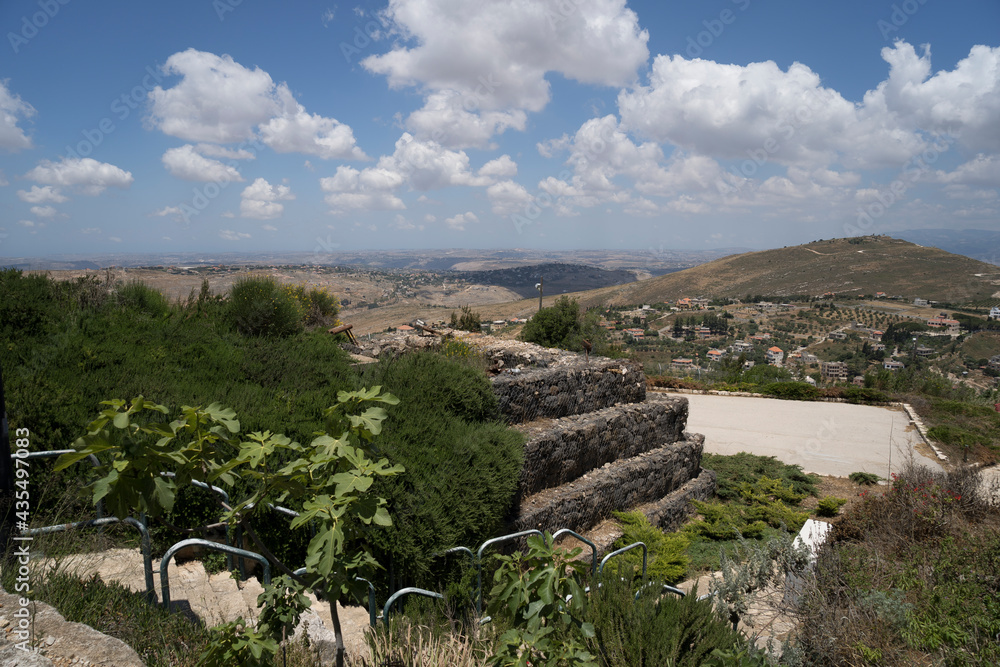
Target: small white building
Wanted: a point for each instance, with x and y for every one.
(995, 313)
(774, 355)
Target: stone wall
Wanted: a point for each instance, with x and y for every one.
(616, 486)
(671, 512)
(564, 449)
(572, 387)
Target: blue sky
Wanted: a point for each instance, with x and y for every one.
(245, 125)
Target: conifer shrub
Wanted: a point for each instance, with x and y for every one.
(667, 559)
(791, 391)
(259, 306)
(830, 506)
(138, 297)
(469, 320)
(462, 463)
(657, 629)
(864, 478)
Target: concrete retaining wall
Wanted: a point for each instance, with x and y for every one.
(562, 450)
(574, 387)
(620, 485)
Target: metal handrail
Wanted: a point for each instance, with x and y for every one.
(618, 552)
(593, 547)
(147, 561)
(406, 591)
(225, 498)
(239, 531)
(96, 462)
(195, 541)
(372, 617)
(664, 587)
(479, 561)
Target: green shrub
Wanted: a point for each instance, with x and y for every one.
(722, 521)
(468, 321)
(864, 478)
(656, 629)
(864, 395)
(736, 469)
(137, 297)
(667, 559)
(830, 506)
(318, 306)
(259, 306)
(564, 326)
(791, 391)
(462, 464)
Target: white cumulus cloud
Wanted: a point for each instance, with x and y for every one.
(41, 195)
(458, 222)
(187, 164)
(506, 53)
(219, 100)
(86, 174)
(260, 200)
(43, 211)
(13, 110)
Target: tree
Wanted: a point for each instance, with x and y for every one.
(331, 478)
(562, 325)
(469, 320)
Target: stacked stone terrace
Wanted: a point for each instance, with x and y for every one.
(595, 445)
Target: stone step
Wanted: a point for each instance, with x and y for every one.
(621, 485)
(571, 385)
(215, 598)
(668, 513)
(558, 451)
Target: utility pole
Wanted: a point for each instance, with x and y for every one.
(540, 286)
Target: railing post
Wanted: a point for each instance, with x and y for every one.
(479, 561)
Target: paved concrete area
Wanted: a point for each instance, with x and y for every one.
(824, 438)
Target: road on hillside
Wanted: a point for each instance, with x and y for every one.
(824, 438)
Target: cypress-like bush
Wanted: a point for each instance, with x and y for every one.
(258, 306)
(462, 464)
(657, 629)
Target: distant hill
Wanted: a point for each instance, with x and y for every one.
(558, 278)
(845, 266)
(978, 244)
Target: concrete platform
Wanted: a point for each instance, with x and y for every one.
(824, 438)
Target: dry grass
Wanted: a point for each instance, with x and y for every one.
(405, 644)
(911, 576)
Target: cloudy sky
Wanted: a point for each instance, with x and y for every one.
(242, 125)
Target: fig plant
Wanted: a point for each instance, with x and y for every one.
(331, 478)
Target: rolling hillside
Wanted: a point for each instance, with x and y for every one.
(845, 266)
